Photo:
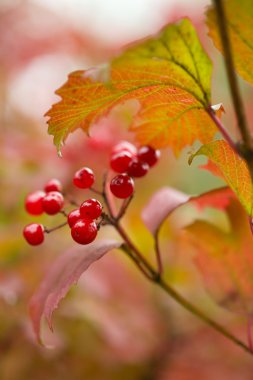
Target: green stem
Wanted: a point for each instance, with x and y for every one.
(230, 68)
(200, 314)
(155, 277)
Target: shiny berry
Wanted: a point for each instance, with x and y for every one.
(53, 202)
(34, 233)
(91, 209)
(84, 231)
(149, 155)
(53, 185)
(73, 217)
(124, 146)
(33, 202)
(137, 168)
(122, 186)
(120, 161)
(84, 178)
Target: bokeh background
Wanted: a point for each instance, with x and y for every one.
(114, 324)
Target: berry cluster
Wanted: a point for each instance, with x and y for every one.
(130, 163)
(50, 200)
(84, 221)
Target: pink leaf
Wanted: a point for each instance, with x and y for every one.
(160, 206)
(167, 199)
(65, 271)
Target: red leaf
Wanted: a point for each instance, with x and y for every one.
(65, 271)
(166, 200)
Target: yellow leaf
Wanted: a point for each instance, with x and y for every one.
(239, 16)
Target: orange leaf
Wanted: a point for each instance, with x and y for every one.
(170, 78)
(233, 169)
(225, 259)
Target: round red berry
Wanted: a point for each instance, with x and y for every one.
(122, 186)
(53, 202)
(124, 146)
(34, 233)
(91, 209)
(73, 217)
(137, 168)
(53, 185)
(84, 178)
(84, 231)
(120, 161)
(33, 202)
(149, 155)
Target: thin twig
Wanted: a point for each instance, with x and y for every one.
(63, 212)
(124, 206)
(158, 254)
(249, 333)
(48, 230)
(233, 83)
(222, 130)
(70, 200)
(104, 194)
(96, 191)
(128, 251)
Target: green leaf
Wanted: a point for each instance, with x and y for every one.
(239, 17)
(169, 75)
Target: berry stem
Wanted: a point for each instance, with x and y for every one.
(124, 206)
(106, 199)
(96, 191)
(70, 200)
(230, 68)
(48, 230)
(156, 278)
(63, 212)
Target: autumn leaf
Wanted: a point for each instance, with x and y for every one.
(225, 259)
(64, 272)
(239, 15)
(233, 169)
(168, 75)
(167, 199)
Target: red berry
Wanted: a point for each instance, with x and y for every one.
(33, 202)
(149, 155)
(84, 231)
(52, 202)
(53, 185)
(120, 161)
(124, 146)
(34, 233)
(91, 209)
(137, 168)
(73, 217)
(84, 178)
(122, 186)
